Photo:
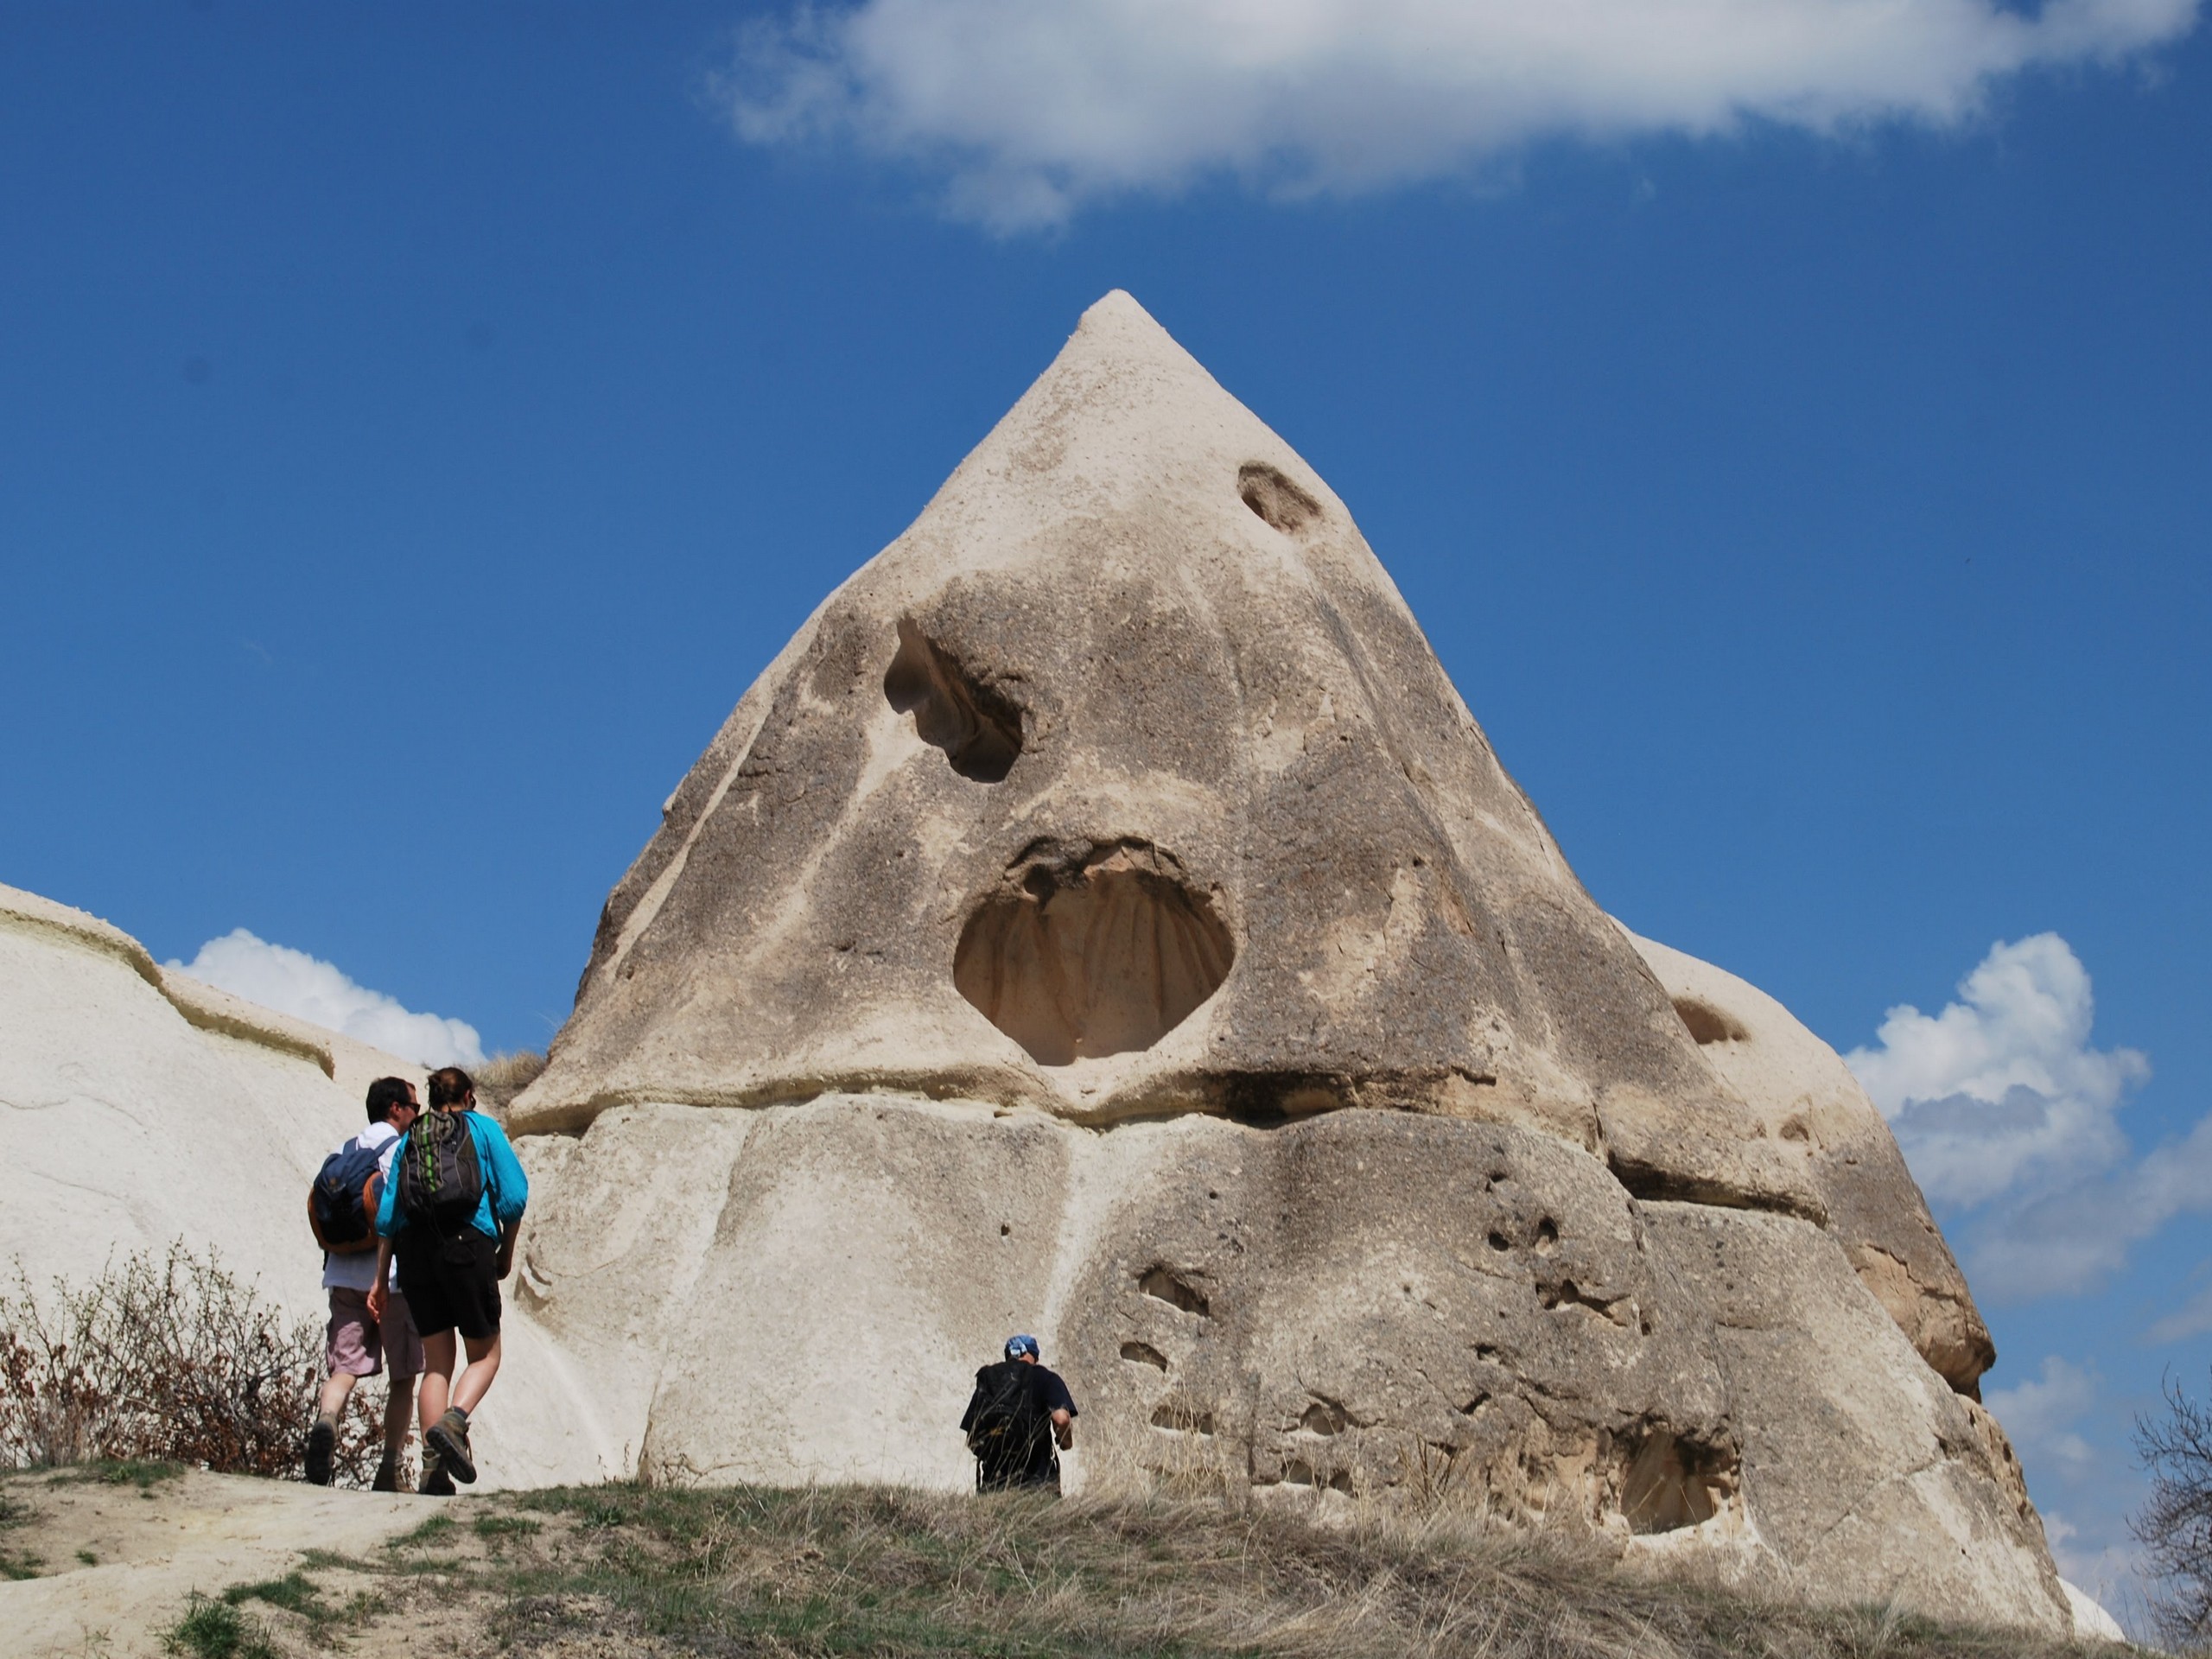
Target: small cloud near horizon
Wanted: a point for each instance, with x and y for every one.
(1028, 112)
(2009, 1117)
(291, 981)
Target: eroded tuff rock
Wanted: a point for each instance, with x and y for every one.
(1133, 629)
(1105, 918)
(1357, 1306)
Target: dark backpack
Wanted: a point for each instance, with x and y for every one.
(1006, 1426)
(338, 1203)
(441, 1178)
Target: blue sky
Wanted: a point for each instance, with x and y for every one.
(415, 432)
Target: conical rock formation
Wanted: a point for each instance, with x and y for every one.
(1124, 783)
(1105, 918)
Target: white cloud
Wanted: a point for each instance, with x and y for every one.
(2074, 1237)
(2002, 1089)
(291, 981)
(2039, 1417)
(2192, 1319)
(1029, 110)
(2006, 1111)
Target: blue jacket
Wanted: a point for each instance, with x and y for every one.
(506, 1189)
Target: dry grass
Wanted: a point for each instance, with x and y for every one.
(503, 1076)
(890, 1572)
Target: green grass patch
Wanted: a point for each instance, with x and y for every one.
(438, 1529)
(319, 1559)
(216, 1630)
(144, 1473)
(15, 1565)
(294, 1592)
(88, 1557)
(505, 1525)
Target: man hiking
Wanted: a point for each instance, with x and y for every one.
(1019, 1421)
(342, 1208)
(448, 1218)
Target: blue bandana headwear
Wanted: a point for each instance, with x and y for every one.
(1017, 1346)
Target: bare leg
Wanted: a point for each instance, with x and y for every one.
(437, 1376)
(335, 1393)
(483, 1366)
(397, 1409)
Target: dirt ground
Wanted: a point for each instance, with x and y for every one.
(117, 1559)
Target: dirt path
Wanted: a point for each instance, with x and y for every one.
(117, 1561)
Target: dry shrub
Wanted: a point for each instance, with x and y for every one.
(173, 1360)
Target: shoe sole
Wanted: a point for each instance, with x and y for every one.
(451, 1454)
(322, 1440)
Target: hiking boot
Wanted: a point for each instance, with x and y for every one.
(322, 1440)
(387, 1478)
(436, 1482)
(449, 1438)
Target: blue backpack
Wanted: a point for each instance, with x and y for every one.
(340, 1208)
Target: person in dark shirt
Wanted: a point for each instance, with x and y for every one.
(1019, 1421)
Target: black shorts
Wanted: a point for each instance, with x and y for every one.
(451, 1281)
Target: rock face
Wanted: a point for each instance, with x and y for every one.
(1105, 919)
(140, 1108)
(1131, 731)
(140, 1103)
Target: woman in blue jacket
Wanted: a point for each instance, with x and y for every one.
(452, 1256)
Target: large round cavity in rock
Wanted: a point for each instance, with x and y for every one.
(1090, 951)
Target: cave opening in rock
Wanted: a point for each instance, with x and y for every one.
(1092, 951)
(1707, 1023)
(1275, 499)
(977, 725)
(1671, 1483)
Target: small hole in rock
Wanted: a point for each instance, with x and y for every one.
(1163, 1286)
(1275, 499)
(1707, 1023)
(1143, 1353)
(1322, 1418)
(977, 725)
(1497, 1241)
(1547, 1234)
(1004, 1228)
(1182, 1420)
(1087, 950)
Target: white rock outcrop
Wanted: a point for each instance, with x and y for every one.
(139, 1107)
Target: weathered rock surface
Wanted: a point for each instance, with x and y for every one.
(1803, 1094)
(136, 1102)
(1104, 918)
(1132, 732)
(1358, 1306)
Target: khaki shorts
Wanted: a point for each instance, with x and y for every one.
(358, 1346)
